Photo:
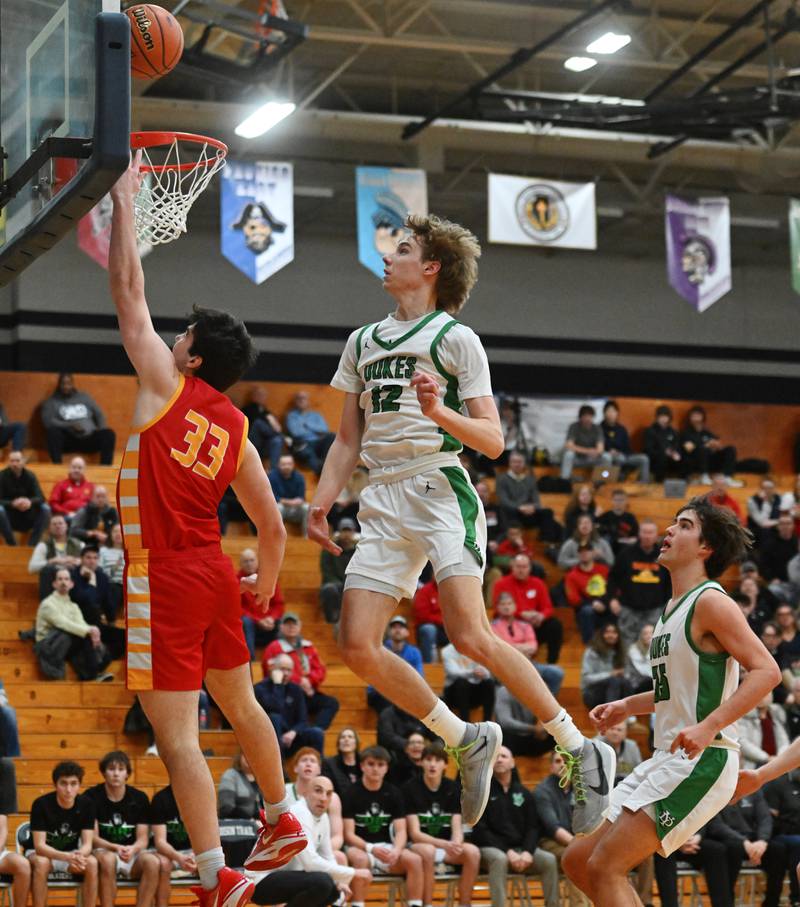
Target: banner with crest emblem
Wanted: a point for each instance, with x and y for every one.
(534, 212)
(94, 232)
(699, 249)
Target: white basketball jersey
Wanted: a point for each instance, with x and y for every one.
(378, 363)
(688, 683)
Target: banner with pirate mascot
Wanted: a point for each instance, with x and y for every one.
(257, 217)
(535, 212)
(385, 196)
(699, 249)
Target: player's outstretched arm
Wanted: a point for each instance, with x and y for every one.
(339, 465)
(607, 714)
(751, 781)
(255, 495)
(148, 353)
(718, 617)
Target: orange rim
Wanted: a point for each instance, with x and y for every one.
(154, 139)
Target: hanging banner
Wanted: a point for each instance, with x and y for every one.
(794, 238)
(257, 217)
(385, 196)
(94, 233)
(534, 212)
(699, 249)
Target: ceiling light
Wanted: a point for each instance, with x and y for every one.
(579, 64)
(609, 43)
(263, 119)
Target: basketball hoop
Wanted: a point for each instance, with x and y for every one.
(177, 167)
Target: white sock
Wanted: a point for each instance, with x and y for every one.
(563, 729)
(209, 864)
(273, 810)
(447, 725)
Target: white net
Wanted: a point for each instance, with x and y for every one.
(180, 172)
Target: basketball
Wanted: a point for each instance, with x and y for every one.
(156, 41)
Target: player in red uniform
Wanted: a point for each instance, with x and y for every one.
(183, 612)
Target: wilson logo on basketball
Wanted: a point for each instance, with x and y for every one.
(143, 24)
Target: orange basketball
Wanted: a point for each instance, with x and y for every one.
(156, 41)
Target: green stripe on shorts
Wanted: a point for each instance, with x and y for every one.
(671, 811)
(468, 504)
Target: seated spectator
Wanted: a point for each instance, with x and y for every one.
(617, 442)
(230, 510)
(93, 522)
(533, 604)
(72, 493)
(56, 550)
(792, 705)
(703, 854)
(581, 503)
(786, 619)
(771, 637)
(703, 451)
(603, 668)
(63, 635)
(170, 837)
(375, 829)
(396, 641)
(112, 563)
(74, 422)
(433, 817)
(9, 732)
(259, 628)
(719, 496)
(467, 685)
(395, 727)
(289, 488)
(333, 568)
(790, 503)
(523, 733)
(627, 751)
(13, 865)
(639, 585)
(662, 445)
(311, 437)
(584, 445)
(238, 796)
(554, 803)
(782, 796)
(264, 430)
(516, 434)
(14, 432)
(512, 544)
(618, 525)
(91, 592)
(775, 554)
(306, 767)
(309, 670)
(521, 636)
(762, 733)
(62, 828)
(22, 506)
(122, 832)
(637, 669)
(346, 505)
(508, 835)
(519, 501)
(429, 622)
(585, 533)
(344, 768)
(586, 588)
(285, 704)
(761, 603)
(495, 521)
(763, 511)
(408, 764)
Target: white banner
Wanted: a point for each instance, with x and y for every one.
(534, 212)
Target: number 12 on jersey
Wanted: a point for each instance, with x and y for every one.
(385, 397)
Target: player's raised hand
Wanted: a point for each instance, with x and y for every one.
(129, 184)
(318, 530)
(693, 740)
(429, 393)
(607, 714)
(747, 784)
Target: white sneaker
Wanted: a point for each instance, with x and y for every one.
(733, 483)
(705, 479)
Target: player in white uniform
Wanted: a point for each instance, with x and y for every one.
(698, 644)
(407, 379)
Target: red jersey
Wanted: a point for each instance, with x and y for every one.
(176, 468)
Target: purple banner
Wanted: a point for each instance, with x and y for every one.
(699, 249)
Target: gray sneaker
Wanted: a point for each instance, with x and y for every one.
(475, 757)
(591, 771)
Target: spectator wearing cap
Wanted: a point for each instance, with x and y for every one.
(584, 445)
(429, 622)
(333, 568)
(617, 443)
(22, 506)
(309, 671)
(289, 488)
(259, 628)
(763, 511)
(396, 641)
(662, 444)
(285, 704)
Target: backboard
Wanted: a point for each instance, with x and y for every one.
(64, 118)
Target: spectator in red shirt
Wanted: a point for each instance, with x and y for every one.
(719, 496)
(259, 628)
(72, 493)
(521, 635)
(533, 604)
(512, 544)
(429, 622)
(308, 671)
(586, 588)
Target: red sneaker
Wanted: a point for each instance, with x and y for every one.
(277, 843)
(233, 890)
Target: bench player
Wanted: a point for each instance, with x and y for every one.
(698, 644)
(407, 379)
(183, 613)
